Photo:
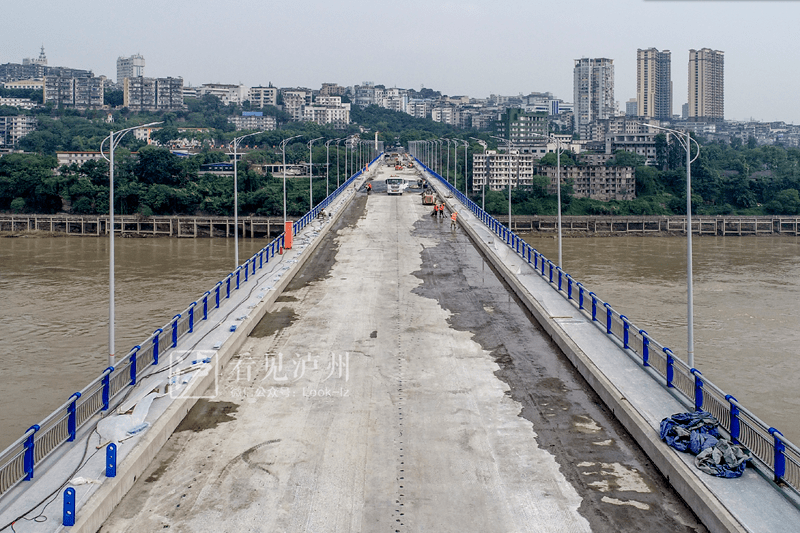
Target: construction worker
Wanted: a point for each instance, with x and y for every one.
(453, 220)
(369, 188)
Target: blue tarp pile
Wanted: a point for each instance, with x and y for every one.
(697, 434)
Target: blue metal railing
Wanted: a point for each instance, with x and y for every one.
(18, 461)
(766, 443)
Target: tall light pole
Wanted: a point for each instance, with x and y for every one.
(447, 168)
(337, 162)
(559, 149)
(466, 145)
(486, 172)
(311, 174)
(235, 144)
(283, 151)
(113, 141)
(687, 144)
(328, 167)
(508, 151)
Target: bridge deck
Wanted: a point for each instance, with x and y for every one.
(398, 386)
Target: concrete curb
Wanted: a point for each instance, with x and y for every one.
(92, 515)
(711, 511)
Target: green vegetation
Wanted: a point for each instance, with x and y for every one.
(735, 178)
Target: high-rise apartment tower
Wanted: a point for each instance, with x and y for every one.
(129, 67)
(593, 90)
(653, 84)
(706, 85)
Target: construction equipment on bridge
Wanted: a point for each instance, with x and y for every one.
(428, 198)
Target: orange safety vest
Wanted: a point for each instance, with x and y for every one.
(453, 216)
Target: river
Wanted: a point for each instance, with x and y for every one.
(54, 317)
(54, 314)
(746, 295)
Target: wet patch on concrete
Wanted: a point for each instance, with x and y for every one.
(569, 419)
(286, 298)
(373, 335)
(273, 322)
(325, 254)
(207, 415)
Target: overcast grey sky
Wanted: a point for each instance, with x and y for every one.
(458, 47)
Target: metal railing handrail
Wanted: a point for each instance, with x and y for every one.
(766, 443)
(19, 460)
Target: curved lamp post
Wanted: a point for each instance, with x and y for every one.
(113, 141)
(486, 172)
(311, 173)
(685, 138)
(283, 151)
(235, 144)
(508, 151)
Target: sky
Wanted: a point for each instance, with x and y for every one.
(459, 47)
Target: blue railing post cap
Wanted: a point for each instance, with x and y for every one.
(731, 398)
(606, 304)
(623, 318)
(176, 316)
(34, 427)
(667, 351)
(109, 369)
(159, 330)
(193, 304)
(773, 431)
(695, 372)
(75, 395)
(643, 333)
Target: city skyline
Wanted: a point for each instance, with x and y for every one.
(468, 48)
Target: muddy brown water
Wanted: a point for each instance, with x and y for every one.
(54, 311)
(746, 307)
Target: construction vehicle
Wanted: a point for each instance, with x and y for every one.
(428, 198)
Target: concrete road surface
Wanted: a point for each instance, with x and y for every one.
(397, 386)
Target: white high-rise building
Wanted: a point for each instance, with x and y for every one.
(593, 90)
(706, 85)
(130, 67)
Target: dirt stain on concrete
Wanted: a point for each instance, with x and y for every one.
(207, 415)
(273, 322)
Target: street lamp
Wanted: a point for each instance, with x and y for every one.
(466, 145)
(113, 141)
(559, 149)
(283, 150)
(687, 144)
(311, 174)
(486, 172)
(235, 144)
(337, 161)
(328, 167)
(508, 150)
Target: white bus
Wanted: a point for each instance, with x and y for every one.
(395, 185)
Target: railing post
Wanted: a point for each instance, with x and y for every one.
(132, 360)
(529, 254)
(111, 460)
(698, 389)
(72, 416)
(580, 295)
(736, 428)
(779, 467)
(156, 335)
(191, 316)
(228, 286)
(238, 270)
(175, 330)
(219, 284)
(626, 328)
(107, 387)
(68, 518)
(670, 367)
(28, 460)
(542, 263)
(205, 305)
(594, 306)
(246, 271)
(253, 262)
(560, 273)
(569, 287)
(260, 259)
(645, 348)
(609, 316)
